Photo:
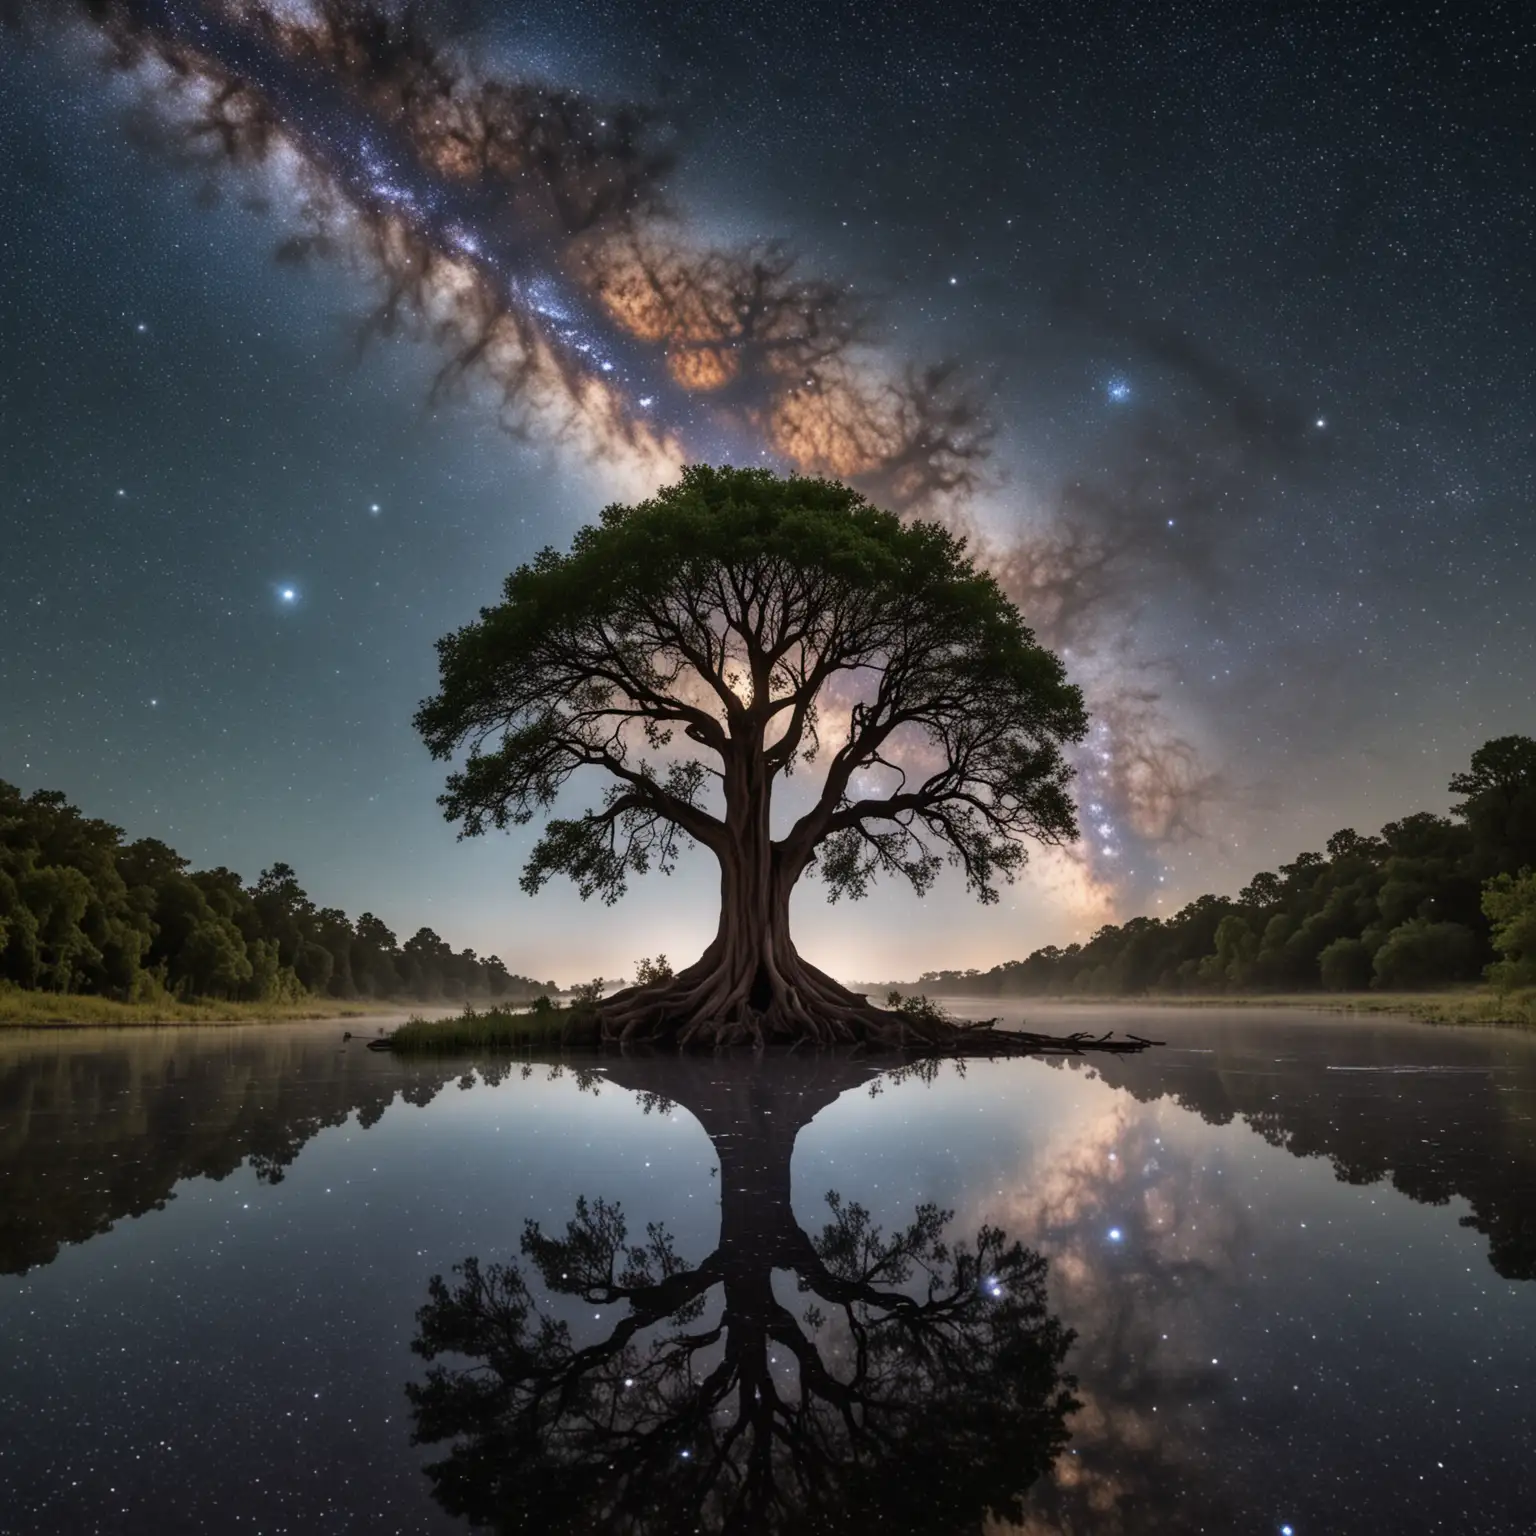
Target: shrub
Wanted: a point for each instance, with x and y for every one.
(1345, 966)
(1509, 903)
(1424, 954)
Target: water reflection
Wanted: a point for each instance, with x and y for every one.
(1265, 1332)
(783, 1383)
(98, 1125)
(1438, 1114)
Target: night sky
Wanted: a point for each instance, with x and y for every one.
(1245, 295)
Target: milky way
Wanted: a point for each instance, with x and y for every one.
(541, 235)
(529, 231)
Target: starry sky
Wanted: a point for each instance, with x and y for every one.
(1241, 297)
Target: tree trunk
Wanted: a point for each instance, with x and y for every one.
(751, 987)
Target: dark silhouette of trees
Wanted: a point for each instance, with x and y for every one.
(83, 911)
(1448, 1128)
(1499, 807)
(1409, 908)
(763, 622)
(917, 1382)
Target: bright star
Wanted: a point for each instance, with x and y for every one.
(287, 594)
(1321, 422)
(374, 508)
(1118, 390)
(1114, 1234)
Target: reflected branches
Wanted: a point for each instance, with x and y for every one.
(909, 1376)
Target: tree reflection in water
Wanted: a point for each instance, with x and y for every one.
(911, 1380)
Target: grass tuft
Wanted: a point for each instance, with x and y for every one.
(499, 1029)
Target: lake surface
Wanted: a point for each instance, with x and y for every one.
(1279, 1274)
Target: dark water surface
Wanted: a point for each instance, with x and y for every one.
(1279, 1274)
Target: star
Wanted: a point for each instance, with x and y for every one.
(288, 594)
(374, 508)
(1118, 390)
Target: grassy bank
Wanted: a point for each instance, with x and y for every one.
(498, 1029)
(1466, 1005)
(32, 1010)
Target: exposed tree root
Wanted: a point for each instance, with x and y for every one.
(707, 1007)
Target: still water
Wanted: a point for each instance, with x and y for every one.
(1277, 1275)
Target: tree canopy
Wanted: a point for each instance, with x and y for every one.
(84, 911)
(699, 648)
(1428, 901)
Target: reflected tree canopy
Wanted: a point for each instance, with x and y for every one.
(96, 1126)
(782, 1383)
(1450, 1128)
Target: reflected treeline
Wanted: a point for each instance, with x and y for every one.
(1459, 1120)
(799, 1376)
(96, 1125)
(783, 1383)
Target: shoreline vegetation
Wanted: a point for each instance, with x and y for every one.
(72, 1010)
(1408, 920)
(96, 929)
(574, 1024)
(578, 1025)
(1468, 1005)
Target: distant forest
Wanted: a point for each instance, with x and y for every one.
(83, 911)
(1429, 901)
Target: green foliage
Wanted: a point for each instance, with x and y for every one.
(500, 1029)
(1425, 954)
(1345, 966)
(1407, 909)
(84, 914)
(1509, 903)
(716, 614)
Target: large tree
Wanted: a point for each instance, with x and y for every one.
(698, 648)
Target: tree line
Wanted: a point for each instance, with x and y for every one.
(82, 910)
(1429, 901)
